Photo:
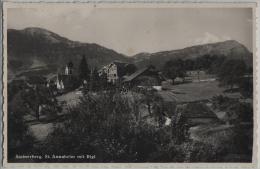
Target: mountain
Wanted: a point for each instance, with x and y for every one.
(39, 51)
(36, 47)
(230, 49)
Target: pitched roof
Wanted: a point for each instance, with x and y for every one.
(198, 110)
(137, 73)
(51, 77)
(120, 64)
(121, 67)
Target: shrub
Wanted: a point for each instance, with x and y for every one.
(105, 125)
(20, 140)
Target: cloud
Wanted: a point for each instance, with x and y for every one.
(210, 38)
(144, 30)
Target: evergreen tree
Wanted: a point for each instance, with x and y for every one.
(84, 72)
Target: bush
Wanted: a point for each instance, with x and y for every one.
(107, 126)
(20, 140)
(246, 87)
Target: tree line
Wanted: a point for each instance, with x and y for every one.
(229, 72)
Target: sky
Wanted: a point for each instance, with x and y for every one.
(134, 30)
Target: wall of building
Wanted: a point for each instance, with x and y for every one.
(112, 74)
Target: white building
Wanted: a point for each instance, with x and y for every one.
(114, 71)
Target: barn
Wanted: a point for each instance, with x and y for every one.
(147, 76)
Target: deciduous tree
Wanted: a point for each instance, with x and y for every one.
(174, 68)
(231, 72)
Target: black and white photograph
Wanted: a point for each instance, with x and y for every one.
(107, 84)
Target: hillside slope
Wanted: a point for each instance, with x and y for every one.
(230, 49)
(36, 45)
(33, 48)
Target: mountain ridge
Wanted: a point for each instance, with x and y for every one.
(38, 45)
(30, 44)
(230, 49)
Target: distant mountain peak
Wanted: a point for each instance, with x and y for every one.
(47, 35)
(229, 48)
(35, 29)
(48, 48)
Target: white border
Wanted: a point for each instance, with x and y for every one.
(135, 4)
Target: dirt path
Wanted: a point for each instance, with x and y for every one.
(41, 130)
(197, 133)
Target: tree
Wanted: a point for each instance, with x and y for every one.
(108, 128)
(158, 112)
(199, 66)
(189, 64)
(148, 99)
(246, 86)
(20, 139)
(94, 80)
(38, 96)
(231, 72)
(216, 64)
(103, 81)
(174, 68)
(84, 72)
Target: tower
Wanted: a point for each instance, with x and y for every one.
(69, 68)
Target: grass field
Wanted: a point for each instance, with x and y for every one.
(196, 91)
(71, 99)
(41, 130)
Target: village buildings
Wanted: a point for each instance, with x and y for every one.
(116, 70)
(64, 80)
(147, 76)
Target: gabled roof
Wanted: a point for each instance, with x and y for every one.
(120, 64)
(198, 110)
(137, 73)
(121, 67)
(51, 77)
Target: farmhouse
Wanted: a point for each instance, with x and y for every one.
(147, 76)
(199, 75)
(115, 71)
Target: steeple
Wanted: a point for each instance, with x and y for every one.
(69, 68)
